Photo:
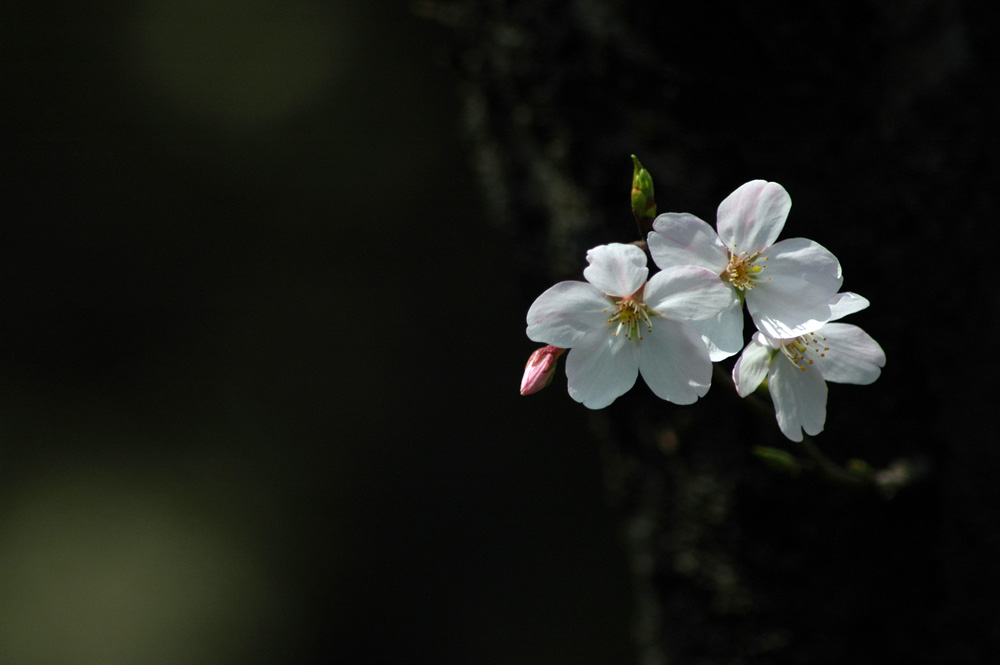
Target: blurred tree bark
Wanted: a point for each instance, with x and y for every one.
(877, 119)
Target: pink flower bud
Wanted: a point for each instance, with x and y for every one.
(540, 369)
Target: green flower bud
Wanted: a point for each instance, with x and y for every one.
(643, 201)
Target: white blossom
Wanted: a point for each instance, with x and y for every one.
(617, 325)
(798, 368)
(786, 284)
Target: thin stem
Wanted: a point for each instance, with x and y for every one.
(829, 469)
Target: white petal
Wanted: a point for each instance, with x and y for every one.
(799, 398)
(846, 303)
(765, 340)
(852, 357)
(751, 218)
(751, 367)
(792, 292)
(565, 313)
(786, 318)
(687, 293)
(616, 269)
(723, 333)
(674, 362)
(601, 368)
(679, 239)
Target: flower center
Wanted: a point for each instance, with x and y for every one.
(631, 315)
(801, 350)
(743, 269)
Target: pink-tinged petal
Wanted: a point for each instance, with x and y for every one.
(799, 398)
(851, 356)
(791, 294)
(687, 293)
(565, 313)
(846, 303)
(674, 362)
(616, 269)
(601, 368)
(679, 239)
(723, 333)
(751, 218)
(751, 367)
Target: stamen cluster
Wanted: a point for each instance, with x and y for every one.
(742, 270)
(799, 349)
(630, 314)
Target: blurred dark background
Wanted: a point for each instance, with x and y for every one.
(260, 355)
(263, 275)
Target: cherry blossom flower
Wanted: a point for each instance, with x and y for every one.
(617, 325)
(798, 368)
(786, 284)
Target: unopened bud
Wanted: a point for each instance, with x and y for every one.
(643, 201)
(540, 369)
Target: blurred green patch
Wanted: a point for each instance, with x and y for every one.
(95, 569)
(238, 63)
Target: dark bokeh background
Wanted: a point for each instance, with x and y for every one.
(260, 355)
(264, 272)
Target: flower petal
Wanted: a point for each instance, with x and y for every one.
(687, 293)
(601, 368)
(852, 357)
(751, 367)
(799, 398)
(765, 340)
(792, 293)
(679, 239)
(751, 218)
(723, 333)
(565, 313)
(846, 303)
(674, 362)
(616, 269)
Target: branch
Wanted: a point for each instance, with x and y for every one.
(857, 473)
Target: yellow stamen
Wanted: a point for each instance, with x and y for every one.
(799, 349)
(630, 314)
(743, 269)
